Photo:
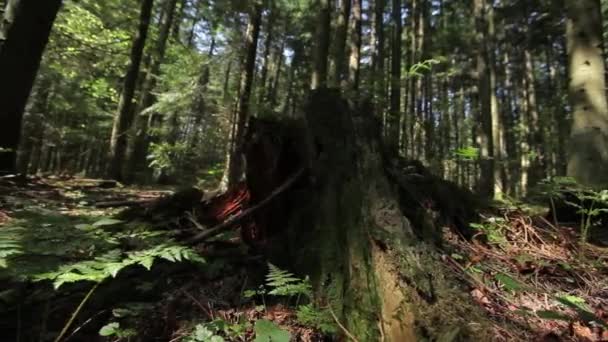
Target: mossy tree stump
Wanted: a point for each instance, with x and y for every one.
(345, 229)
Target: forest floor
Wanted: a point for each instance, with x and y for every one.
(70, 268)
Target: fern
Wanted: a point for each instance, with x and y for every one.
(111, 263)
(284, 283)
(322, 320)
(10, 246)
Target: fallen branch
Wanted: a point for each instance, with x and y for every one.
(240, 217)
(124, 203)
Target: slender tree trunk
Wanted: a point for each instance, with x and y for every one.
(557, 86)
(235, 171)
(413, 81)
(198, 110)
(419, 55)
(226, 84)
(524, 133)
(497, 131)
(509, 126)
(355, 46)
(535, 139)
(262, 88)
(195, 20)
(20, 54)
(124, 116)
(428, 118)
(339, 47)
(177, 23)
(588, 154)
(274, 81)
(378, 56)
(486, 141)
(395, 95)
(321, 51)
(33, 127)
(137, 147)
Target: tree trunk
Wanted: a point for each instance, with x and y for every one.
(124, 116)
(235, 164)
(177, 23)
(7, 18)
(137, 147)
(195, 20)
(588, 153)
(321, 50)
(341, 35)
(510, 96)
(274, 80)
(270, 20)
(395, 95)
(535, 138)
(560, 120)
(378, 56)
(485, 134)
(198, 109)
(33, 127)
(355, 47)
(497, 131)
(20, 55)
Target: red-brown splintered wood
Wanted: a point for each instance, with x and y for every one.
(245, 214)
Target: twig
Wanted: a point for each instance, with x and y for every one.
(193, 220)
(199, 304)
(238, 218)
(84, 324)
(341, 326)
(125, 203)
(76, 312)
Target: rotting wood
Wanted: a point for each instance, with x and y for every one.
(245, 214)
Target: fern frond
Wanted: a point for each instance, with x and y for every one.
(284, 283)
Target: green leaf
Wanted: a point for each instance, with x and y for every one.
(147, 262)
(202, 333)
(106, 222)
(267, 331)
(509, 283)
(573, 302)
(109, 329)
(114, 268)
(84, 226)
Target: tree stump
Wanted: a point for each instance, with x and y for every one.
(345, 228)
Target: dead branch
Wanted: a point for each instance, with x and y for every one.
(240, 217)
(123, 203)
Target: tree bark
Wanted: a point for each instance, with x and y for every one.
(341, 35)
(137, 149)
(487, 180)
(355, 47)
(20, 55)
(7, 18)
(321, 50)
(235, 164)
(347, 231)
(270, 20)
(378, 56)
(395, 95)
(588, 153)
(124, 116)
(33, 127)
